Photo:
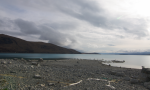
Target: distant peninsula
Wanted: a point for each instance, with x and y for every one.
(9, 44)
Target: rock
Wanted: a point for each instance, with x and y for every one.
(120, 74)
(32, 66)
(37, 76)
(134, 81)
(34, 63)
(38, 65)
(148, 77)
(3, 62)
(9, 62)
(51, 84)
(40, 60)
(113, 72)
(12, 72)
(147, 85)
(117, 73)
(145, 70)
(143, 77)
(42, 85)
(127, 78)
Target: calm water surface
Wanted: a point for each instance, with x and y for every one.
(131, 61)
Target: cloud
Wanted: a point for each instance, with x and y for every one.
(111, 45)
(56, 37)
(83, 10)
(84, 25)
(27, 27)
(45, 32)
(64, 25)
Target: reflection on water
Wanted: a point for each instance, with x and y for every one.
(131, 61)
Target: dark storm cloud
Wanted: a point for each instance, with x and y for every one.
(55, 36)
(26, 28)
(46, 32)
(64, 25)
(87, 11)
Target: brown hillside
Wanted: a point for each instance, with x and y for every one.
(9, 44)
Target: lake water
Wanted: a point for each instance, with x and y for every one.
(131, 61)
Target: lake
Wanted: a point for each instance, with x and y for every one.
(131, 61)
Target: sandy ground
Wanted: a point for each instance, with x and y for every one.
(20, 74)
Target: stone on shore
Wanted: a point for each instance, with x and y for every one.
(117, 73)
(9, 62)
(37, 76)
(127, 78)
(147, 85)
(38, 65)
(12, 72)
(145, 70)
(34, 63)
(51, 84)
(42, 85)
(40, 60)
(3, 62)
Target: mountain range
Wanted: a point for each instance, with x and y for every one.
(10, 44)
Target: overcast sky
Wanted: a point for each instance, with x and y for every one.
(104, 26)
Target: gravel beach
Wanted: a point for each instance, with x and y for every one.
(21, 74)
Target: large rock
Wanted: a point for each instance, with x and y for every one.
(40, 60)
(143, 77)
(147, 85)
(145, 70)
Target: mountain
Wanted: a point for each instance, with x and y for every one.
(9, 44)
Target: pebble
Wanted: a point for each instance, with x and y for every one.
(9, 62)
(42, 85)
(32, 66)
(117, 73)
(40, 60)
(3, 62)
(37, 76)
(51, 84)
(34, 63)
(12, 72)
